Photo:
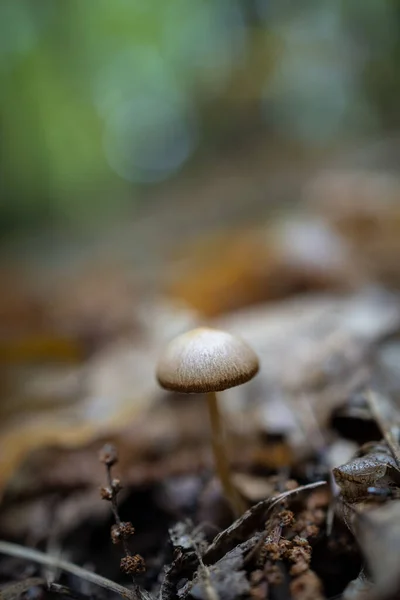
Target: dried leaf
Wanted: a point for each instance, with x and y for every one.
(378, 533)
(238, 268)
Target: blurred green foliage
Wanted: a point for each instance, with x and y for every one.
(99, 98)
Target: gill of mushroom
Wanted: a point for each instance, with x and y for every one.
(208, 361)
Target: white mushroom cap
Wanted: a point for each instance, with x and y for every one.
(206, 360)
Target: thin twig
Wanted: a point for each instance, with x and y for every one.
(114, 507)
(45, 559)
(120, 531)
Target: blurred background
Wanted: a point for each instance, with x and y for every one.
(113, 112)
(165, 164)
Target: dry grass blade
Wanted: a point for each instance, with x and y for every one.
(45, 559)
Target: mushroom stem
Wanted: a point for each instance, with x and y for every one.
(221, 460)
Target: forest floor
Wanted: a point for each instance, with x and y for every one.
(108, 485)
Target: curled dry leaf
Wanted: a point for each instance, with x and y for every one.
(373, 473)
(367, 481)
(372, 467)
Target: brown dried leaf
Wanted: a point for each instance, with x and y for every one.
(238, 268)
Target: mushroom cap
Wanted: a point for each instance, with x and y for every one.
(206, 360)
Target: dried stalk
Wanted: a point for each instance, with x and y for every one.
(47, 560)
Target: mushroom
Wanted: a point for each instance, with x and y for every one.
(207, 361)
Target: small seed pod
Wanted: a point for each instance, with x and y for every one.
(106, 493)
(108, 455)
(123, 531)
(133, 564)
(116, 486)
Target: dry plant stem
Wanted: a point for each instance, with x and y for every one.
(221, 460)
(114, 508)
(45, 559)
(114, 505)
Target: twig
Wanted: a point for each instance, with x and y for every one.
(45, 559)
(114, 486)
(121, 531)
